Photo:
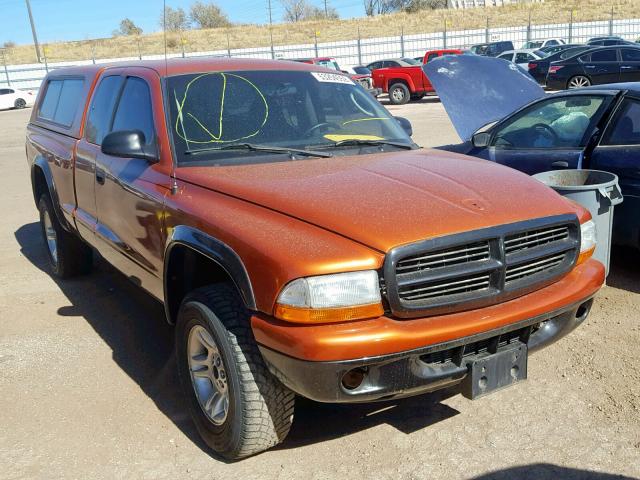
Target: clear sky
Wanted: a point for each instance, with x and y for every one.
(85, 19)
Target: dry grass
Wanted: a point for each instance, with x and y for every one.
(244, 36)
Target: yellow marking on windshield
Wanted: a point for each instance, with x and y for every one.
(364, 120)
(214, 138)
(335, 137)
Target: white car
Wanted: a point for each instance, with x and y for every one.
(547, 42)
(523, 56)
(15, 98)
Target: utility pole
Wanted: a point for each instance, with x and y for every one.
(33, 30)
(273, 55)
(326, 12)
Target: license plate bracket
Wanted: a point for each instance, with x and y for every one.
(495, 371)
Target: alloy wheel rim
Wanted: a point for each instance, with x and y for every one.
(208, 375)
(398, 94)
(578, 82)
(51, 237)
(21, 103)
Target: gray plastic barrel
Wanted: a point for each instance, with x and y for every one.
(595, 190)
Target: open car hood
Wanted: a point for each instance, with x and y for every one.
(478, 90)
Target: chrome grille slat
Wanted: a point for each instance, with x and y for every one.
(438, 288)
(535, 238)
(443, 258)
(533, 267)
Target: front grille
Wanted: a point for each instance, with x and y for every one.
(479, 268)
(489, 345)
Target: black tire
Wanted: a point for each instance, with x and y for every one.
(20, 103)
(72, 256)
(399, 94)
(260, 408)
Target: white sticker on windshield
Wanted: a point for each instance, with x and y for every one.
(332, 78)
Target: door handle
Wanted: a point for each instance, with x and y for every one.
(560, 164)
(100, 176)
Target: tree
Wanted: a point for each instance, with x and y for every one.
(299, 10)
(127, 27)
(208, 15)
(174, 19)
(380, 7)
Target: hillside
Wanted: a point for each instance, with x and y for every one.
(245, 36)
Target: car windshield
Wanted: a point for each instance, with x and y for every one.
(282, 109)
(332, 64)
(411, 61)
(534, 44)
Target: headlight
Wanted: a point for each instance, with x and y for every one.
(587, 240)
(331, 298)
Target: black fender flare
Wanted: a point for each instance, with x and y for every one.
(41, 164)
(215, 250)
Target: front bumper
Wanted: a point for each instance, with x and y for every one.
(421, 370)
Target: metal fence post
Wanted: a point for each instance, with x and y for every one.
(529, 27)
(402, 41)
(571, 27)
(139, 50)
(611, 22)
(486, 32)
(228, 45)
(93, 53)
(45, 56)
(273, 53)
(6, 70)
(359, 48)
(315, 43)
(444, 35)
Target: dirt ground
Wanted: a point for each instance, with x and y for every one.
(88, 387)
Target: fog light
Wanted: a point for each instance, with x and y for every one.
(354, 378)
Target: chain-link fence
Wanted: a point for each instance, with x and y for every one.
(359, 50)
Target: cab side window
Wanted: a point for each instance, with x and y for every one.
(101, 110)
(134, 110)
(61, 101)
(432, 56)
(625, 127)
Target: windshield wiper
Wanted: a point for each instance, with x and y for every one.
(355, 141)
(254, 147)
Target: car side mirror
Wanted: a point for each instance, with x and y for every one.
(481, 139)
(405, 124)
(128, 144)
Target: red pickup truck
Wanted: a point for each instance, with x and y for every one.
(300, 242)
(408, 83)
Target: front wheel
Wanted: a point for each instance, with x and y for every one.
(579, 81)
(20, 103)
(237, 405)
(399, 94)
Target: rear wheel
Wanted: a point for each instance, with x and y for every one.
(68, 255)
(20, 103)
(399, 94)
(579, 81)
(238, 406)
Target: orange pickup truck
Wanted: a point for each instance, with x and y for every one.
(300, 242)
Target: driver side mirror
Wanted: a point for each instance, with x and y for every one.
(481, 139)
(128, 144)
(405, 124)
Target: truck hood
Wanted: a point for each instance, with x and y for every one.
(387, 199)
(477, 90)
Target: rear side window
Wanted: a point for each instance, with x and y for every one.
(101, 111)
(134, 109)
(61, 101)
(432, 56)
(604, 56)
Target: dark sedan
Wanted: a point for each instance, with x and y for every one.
(538, 69)
(598, 66)
(596, 127)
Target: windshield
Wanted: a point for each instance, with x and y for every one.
(534, 44)
(332, 64)
(290, 109)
